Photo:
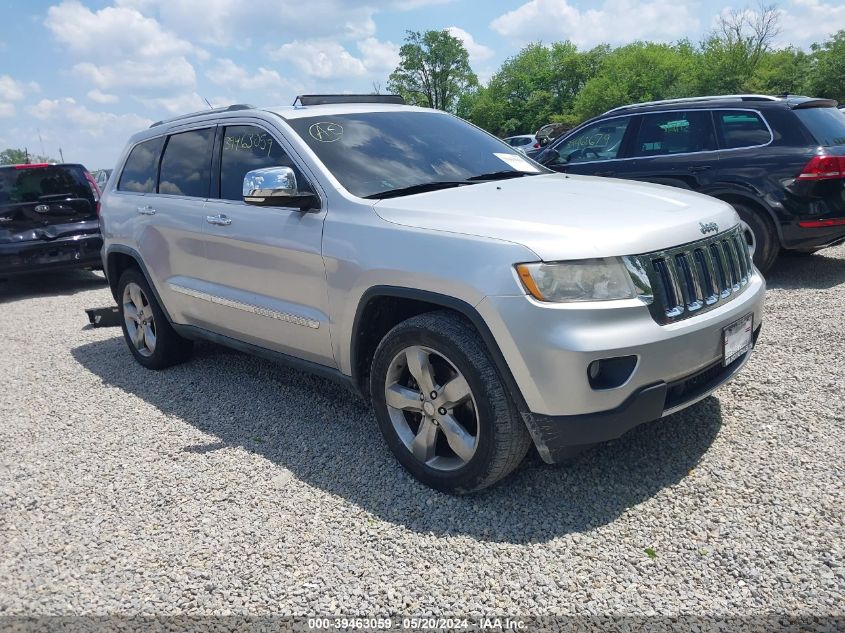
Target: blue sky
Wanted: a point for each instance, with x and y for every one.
(85, 74)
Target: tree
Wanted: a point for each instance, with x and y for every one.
(536, 86)
(433, 70)
(12, 156)
(827, 69)
(731, 55)
(642, 71)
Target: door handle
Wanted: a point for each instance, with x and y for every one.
(698, 168)
(147, 210)
(219, 219)
(604, 173)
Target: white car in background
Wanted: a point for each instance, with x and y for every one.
(523, 142)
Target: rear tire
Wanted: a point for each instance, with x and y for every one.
(148, 334)
(766, 242)
(458, 383)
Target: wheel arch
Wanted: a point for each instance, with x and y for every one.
(386, 306)
(751, 199)
(118, 259)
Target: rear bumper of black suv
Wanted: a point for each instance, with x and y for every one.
(556, 436)
(75, 251)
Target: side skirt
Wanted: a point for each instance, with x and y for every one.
(323, 371)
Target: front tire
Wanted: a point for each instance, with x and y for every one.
(442, 407)
(765, 238)
(148, 334)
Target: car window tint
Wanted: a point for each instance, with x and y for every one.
(139, 173)
(599, 141)
(827, 125)
(678, 132)
(739, 128)
(186, 164)
(35, 184)
(247, 147)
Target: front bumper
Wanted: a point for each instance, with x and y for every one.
(555, 435)
(38, 255)
(549, 347)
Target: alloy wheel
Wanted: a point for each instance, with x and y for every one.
(139, 319)
(432, 408)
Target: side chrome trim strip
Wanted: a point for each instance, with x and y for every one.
(245, 307)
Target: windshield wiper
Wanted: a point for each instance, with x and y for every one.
(418, 188)
(503, 175)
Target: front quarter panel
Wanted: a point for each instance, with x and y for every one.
(361, 251)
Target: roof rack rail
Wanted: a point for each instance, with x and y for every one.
(745, 97)
(231, 108)
(311, 100)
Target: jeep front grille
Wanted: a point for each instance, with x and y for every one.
(681, 282)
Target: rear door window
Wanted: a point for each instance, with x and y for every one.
(139, 173)
(186, 164)
(741, 128)
(600, 141)
(679, 132)
(827, 125)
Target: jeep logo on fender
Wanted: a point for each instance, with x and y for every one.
(709, 227)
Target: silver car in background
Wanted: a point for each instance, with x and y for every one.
(523, 142)
(481, 303)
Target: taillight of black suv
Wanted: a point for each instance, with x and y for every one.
(780, 161)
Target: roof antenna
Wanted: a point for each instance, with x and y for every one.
(210, 107)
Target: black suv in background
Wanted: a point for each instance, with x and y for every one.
(780, 161)
(48, 218)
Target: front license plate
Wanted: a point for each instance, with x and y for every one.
(737, 338)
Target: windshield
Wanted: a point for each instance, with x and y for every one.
(374, 153)
(827, 125)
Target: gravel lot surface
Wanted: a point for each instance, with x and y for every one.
(233, 485)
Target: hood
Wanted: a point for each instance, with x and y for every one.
(566, 217)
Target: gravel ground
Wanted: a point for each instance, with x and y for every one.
(234, 485)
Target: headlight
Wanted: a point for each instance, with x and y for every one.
(578, 280)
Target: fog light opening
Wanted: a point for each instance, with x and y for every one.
(610, 373)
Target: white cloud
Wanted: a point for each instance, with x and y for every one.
(320, 59)
(93, 123)
(379, 55)
(328, 59)
(803, 22)
(477, 52)
(47, 108)
(615, 21)
(232, 22)
(101, 97)
(119, 48)
(113, 32)
(227, 73)
(173, 75)
(14, 90)
(178, 104)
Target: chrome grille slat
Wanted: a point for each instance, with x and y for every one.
(708, 275)
(695, 277)
(733, 264)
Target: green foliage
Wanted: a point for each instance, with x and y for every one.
(557, 83)
(827, 69)
(13, 156)
(642, 71)
(433, 70)
(533, 87)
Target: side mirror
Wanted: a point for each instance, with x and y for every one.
(276, 187)
(550, 156)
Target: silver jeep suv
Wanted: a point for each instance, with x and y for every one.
(482, 303)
